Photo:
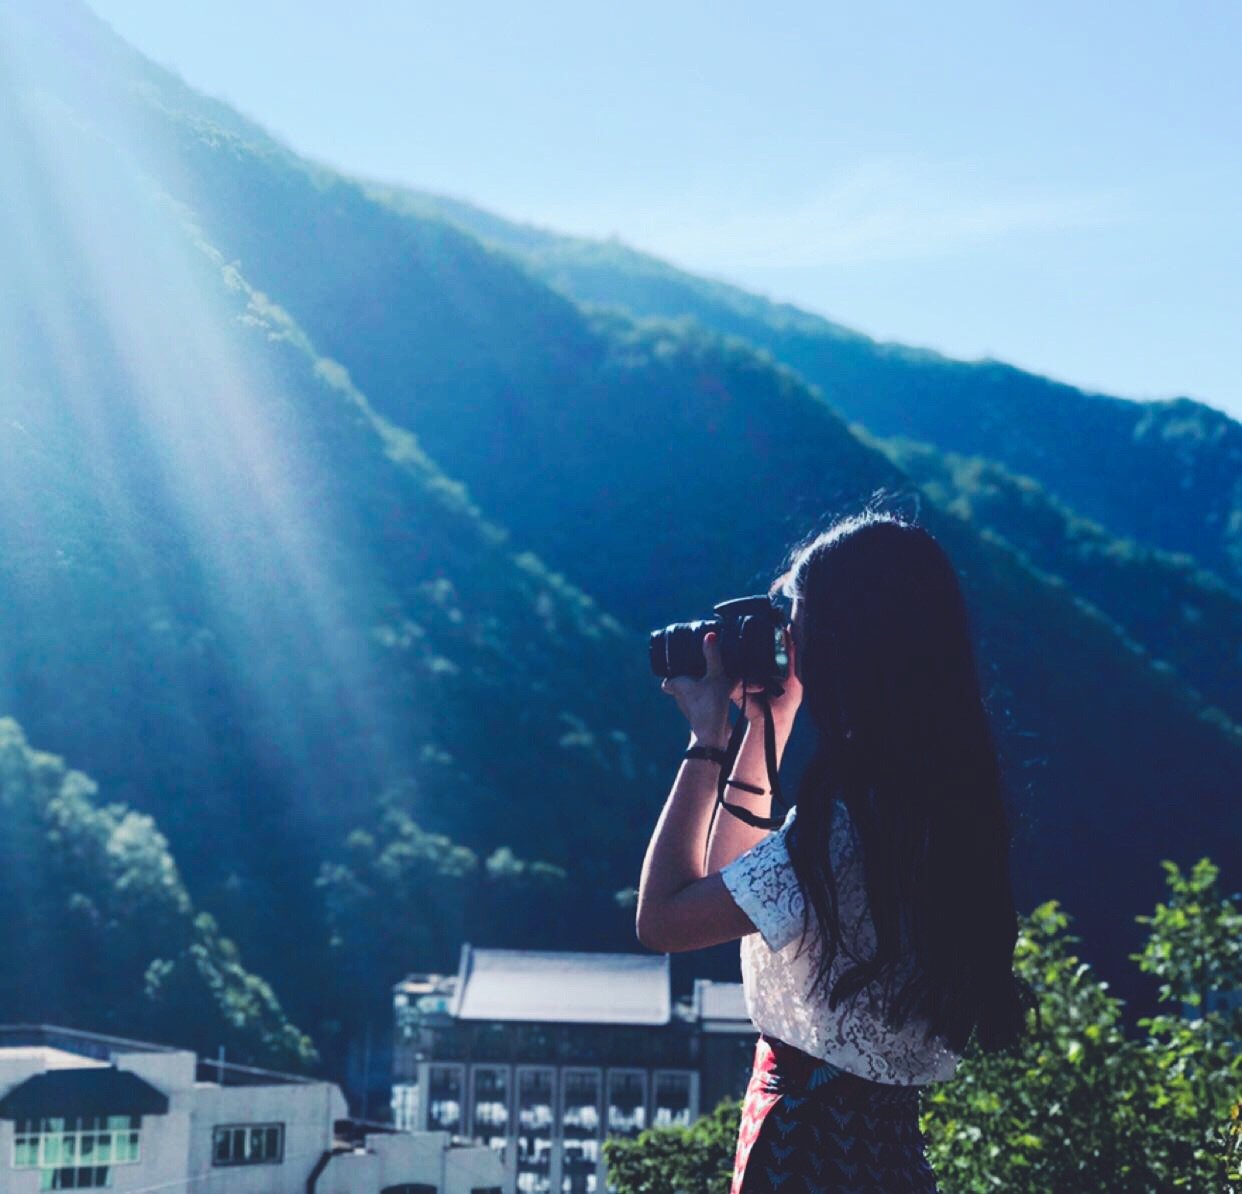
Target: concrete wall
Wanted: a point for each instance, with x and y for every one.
(307, 1112)
(170, 1071)
(404, 1158)
(18, 1065)
(468, 1169)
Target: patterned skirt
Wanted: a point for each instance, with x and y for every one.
(810, 1128)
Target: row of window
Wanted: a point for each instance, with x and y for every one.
(492, 1095)
(72, 1143)
(522, 1104)
(75, 1153)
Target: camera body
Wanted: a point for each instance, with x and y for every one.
(750, 631)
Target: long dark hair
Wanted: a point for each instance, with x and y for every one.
(890, 682)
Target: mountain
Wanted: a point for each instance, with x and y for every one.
(1093, 452)
(1186, 618)
(245, 602)
(353, 528)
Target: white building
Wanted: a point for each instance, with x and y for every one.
(542, 1055)
(80, 1111)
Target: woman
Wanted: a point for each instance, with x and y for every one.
(878, 923)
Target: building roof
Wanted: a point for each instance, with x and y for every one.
(568, 988)
(74, 1042)
(95, 1090)
(48, 1057)
(61, 1048)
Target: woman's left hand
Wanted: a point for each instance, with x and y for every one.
(705, 702)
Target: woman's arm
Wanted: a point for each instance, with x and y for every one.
(731, 836)
(681, 903)
(681, 907)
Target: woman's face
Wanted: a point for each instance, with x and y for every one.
(795, 629)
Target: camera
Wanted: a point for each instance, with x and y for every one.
(750, 631)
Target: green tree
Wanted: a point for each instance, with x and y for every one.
(1063, 1111)
(402, 898)
(108, 938)
(1082, 1107)
(693, 1160)
(395, 901)
(1078, 1106)
(1194, 947)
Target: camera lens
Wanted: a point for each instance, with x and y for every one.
(677, 650)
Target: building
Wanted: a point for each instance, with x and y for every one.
(540, 1055)
(83, 1111)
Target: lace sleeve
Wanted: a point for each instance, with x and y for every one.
(763, 884)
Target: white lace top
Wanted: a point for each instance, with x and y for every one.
(853, 1037)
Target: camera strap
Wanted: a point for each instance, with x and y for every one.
(769, 756)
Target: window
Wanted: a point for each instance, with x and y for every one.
(627, 1102)
(491, 1105)
(248, 1144)
(81, 1177)
(405, 1106)
(76, 1152)
(580, 1091)
(673, 1098)
(444, 1098)
(536, 1101)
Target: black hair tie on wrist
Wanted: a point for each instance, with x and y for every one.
(711, 753)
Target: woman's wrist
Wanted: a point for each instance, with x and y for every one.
(716, 739)
(781, 725)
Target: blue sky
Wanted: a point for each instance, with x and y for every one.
(1053, 185)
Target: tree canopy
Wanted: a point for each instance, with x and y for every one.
(1080, 1105)
(107, 937)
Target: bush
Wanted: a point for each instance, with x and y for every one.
(695, 1159)
(1078, 1107)
(1082, 1107)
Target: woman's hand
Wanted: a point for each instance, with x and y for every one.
(784, 707)
(705, 702)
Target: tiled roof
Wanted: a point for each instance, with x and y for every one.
(576, 988)
(96, 1090)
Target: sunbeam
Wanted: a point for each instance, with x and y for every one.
(197, 529)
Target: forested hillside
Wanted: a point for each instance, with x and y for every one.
(1185, 617)
(245, 603)
(1093, 452)
(108, 938)
(349, 529)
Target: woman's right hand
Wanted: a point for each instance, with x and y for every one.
(785, 706)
